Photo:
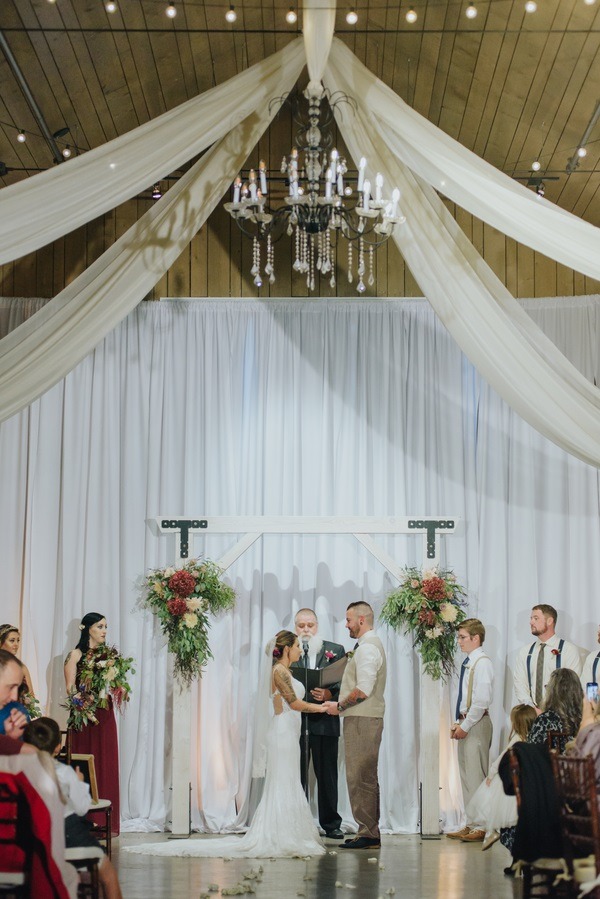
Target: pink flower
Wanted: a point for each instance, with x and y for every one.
(329, 655)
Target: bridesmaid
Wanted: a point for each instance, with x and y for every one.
(10, 639)
(98, 739)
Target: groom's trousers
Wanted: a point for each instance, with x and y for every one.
(362, 739)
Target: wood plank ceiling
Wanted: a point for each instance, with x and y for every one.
(509, 85)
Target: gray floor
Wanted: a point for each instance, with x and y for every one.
(406, 864)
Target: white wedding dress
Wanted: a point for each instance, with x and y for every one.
(282, 825)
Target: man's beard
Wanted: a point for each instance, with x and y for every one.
(315, 644)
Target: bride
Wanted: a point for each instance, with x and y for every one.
(282, 825)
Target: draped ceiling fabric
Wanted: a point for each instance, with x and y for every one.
(512, 353)
(289, 409)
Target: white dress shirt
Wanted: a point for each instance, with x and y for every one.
(368, 663)
(587, 673)
(569, 659)
(75, 792)
(483, 685)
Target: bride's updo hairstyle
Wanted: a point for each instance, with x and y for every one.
(86, 623)
(282, 639)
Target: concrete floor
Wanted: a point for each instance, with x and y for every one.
(406, 865)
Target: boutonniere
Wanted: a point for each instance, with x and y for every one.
(329, 655)
(350, 654)
(555, 652)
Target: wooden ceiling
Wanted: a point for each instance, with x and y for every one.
(508, 85)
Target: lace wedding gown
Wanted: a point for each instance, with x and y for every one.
(282, 825)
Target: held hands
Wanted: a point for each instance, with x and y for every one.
(457, 733)
(331, 708)
(320, 695)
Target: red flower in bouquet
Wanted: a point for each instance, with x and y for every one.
(182, 583)
(427, 616)
(434, 588)
(177, 606)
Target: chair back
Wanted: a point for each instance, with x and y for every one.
(557, 740)
(15, 827)
(515, 774)
(575, 780)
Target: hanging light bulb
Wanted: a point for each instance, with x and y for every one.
(581, 152)
(352, 17)
(67, 152)
(536, 165)
(411, 15)
(530, 6)
(589, 2)
(170, 11)
(470, 11)
(21, 136)
(156, 192)
(231, 14)
(110, 6)
(291, 17)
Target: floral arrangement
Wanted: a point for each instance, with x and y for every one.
(428, 605)
(183, 600)
(31, 704)
(102, 676)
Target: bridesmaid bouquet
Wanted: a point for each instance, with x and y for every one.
(183, 600)
(428, 605)
(102, 676)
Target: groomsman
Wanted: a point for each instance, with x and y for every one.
(591, 666)
(362, 705)
(323, 731)
(536, 661)
(473, 726)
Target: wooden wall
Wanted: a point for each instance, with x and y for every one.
(218, 260)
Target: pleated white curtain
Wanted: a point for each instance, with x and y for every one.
(294, 408)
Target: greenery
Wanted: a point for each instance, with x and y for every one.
(183, 600)
(31, 703)
(428, 605)
(101, 678)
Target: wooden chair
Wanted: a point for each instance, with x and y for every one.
(86, 861)
(100, 808)
(539, 876)
(557, 740)
(575, 780)
(14, 849)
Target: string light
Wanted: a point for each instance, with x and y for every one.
(291, 16)
(170, 11)
(110, 6)
(536, 165)
(530, 6)
(581, 152)
(231, 14)
(589, 2)
(66, 152)
(470, 11)
(411, 15)
(21, 136)
(352, 17)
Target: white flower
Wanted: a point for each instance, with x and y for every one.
(101, 664)
(169, 571)
(448, 612)
(433, 632)
(193, 603)
(190, 619)
(428, 573)
(110, 674)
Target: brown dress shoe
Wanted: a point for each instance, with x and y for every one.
(474, 836)
(459, 834)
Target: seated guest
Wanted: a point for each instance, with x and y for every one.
(588, 738)
(562, 708)
(11, 677)
(44, 734)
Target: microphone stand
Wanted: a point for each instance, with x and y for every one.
(305, 744)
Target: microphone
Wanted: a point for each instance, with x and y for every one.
(305, 645)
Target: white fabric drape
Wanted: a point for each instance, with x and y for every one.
(464, 177)
(308, 408)
(525, 369)
(40, 209)
(37, 354)
(318, 22)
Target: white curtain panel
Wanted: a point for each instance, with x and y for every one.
(40, 209)
(318, 22)
(463, 176)
(339, 407)
(548, 392)
(46, 347)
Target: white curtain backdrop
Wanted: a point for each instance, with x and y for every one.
(298, 408)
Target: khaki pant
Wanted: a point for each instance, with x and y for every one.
(362, 739)
(474, 759)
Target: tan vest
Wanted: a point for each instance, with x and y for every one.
(374, 706)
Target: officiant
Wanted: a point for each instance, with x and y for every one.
(320, 733)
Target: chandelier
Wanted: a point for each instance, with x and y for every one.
(318, 206)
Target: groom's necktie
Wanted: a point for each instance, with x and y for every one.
(539, 676)
(356, 645)
(460, 687)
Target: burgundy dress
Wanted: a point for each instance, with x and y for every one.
(101, 741)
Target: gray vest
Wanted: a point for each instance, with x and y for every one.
(374, 706)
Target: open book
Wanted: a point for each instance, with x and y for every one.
(320, 677)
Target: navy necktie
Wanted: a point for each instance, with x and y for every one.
(460, 687)
(356, 645)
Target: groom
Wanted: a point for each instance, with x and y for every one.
(323, 731)
(362, 705)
